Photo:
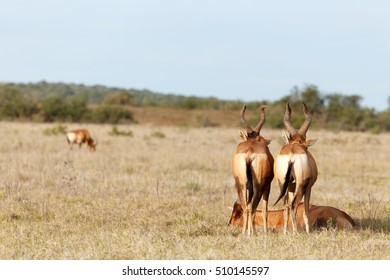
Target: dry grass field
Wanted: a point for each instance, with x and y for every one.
(165, 193)
(183, 117)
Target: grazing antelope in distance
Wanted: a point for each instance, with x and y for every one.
(80, 136)
(320, 217)
(252, 171)
(295, 169)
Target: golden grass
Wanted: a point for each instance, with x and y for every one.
(164, 194)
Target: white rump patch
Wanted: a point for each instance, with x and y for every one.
(72, 137)
(301, 166)
(281, 166)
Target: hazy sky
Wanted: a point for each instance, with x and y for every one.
(248, 50)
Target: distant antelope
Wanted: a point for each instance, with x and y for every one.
(79, 137)
(295, 169)
(252, 171)
(320, 217)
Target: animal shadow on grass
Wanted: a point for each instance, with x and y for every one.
(374, 224)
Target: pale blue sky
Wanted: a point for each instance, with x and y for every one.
(248, 50)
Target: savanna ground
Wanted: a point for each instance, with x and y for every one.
(165, 193)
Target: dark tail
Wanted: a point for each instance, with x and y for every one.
(286, 182)
(249, 184)
(301, 191)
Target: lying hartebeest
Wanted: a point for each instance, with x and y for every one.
(79, 137)
(319, 217)
(252, 171)
(295, 169)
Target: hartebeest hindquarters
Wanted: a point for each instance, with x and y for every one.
(295, 169)
(252, 171)
(79, 137)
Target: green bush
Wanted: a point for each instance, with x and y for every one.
(58, 109)
(111, 114)
(53, 109)
(15, 105)
(116, 132)
(157, 134)
(59, 129)
(76, 109)
(123, 98)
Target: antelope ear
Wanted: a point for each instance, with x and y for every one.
(242, 135)
(268, 141)
(286, 136)
(311, 142)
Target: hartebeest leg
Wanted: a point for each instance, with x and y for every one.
(265, 214)
(292, 207)
(252, 206)
(245, 211)
(306, 213)
(250, 219)
(285, 217)
(254, 203)
(293, 213)
(265, 207)
(246, 206)
(245, 225)
(239, 172)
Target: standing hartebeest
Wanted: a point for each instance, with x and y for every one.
(252, 171)
(79, 137)
(295, 169)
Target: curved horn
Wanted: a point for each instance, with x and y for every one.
(244, 121)
(287, 122)
(262, 119)
(306, 124)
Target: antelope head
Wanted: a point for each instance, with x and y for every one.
(292, 136)
(253, 134)
(92, 144)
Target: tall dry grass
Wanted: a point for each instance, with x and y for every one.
(164, 194)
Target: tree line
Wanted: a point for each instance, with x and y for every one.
(18, 104)
(60, 102)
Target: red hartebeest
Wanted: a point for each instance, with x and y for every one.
(79, 137)
(320, 217)
(295, 169)
(252, 171)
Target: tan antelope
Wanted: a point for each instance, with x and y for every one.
(80, 137)
(252, 171)
(320, 217)
(295, 169)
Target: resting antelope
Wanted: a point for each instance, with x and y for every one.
(79, 137)
(320, 216)
(252, 171)
(295, 169)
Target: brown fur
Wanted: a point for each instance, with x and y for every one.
(319, 217)
(295, 169)
(80, 137)
(252, 169)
